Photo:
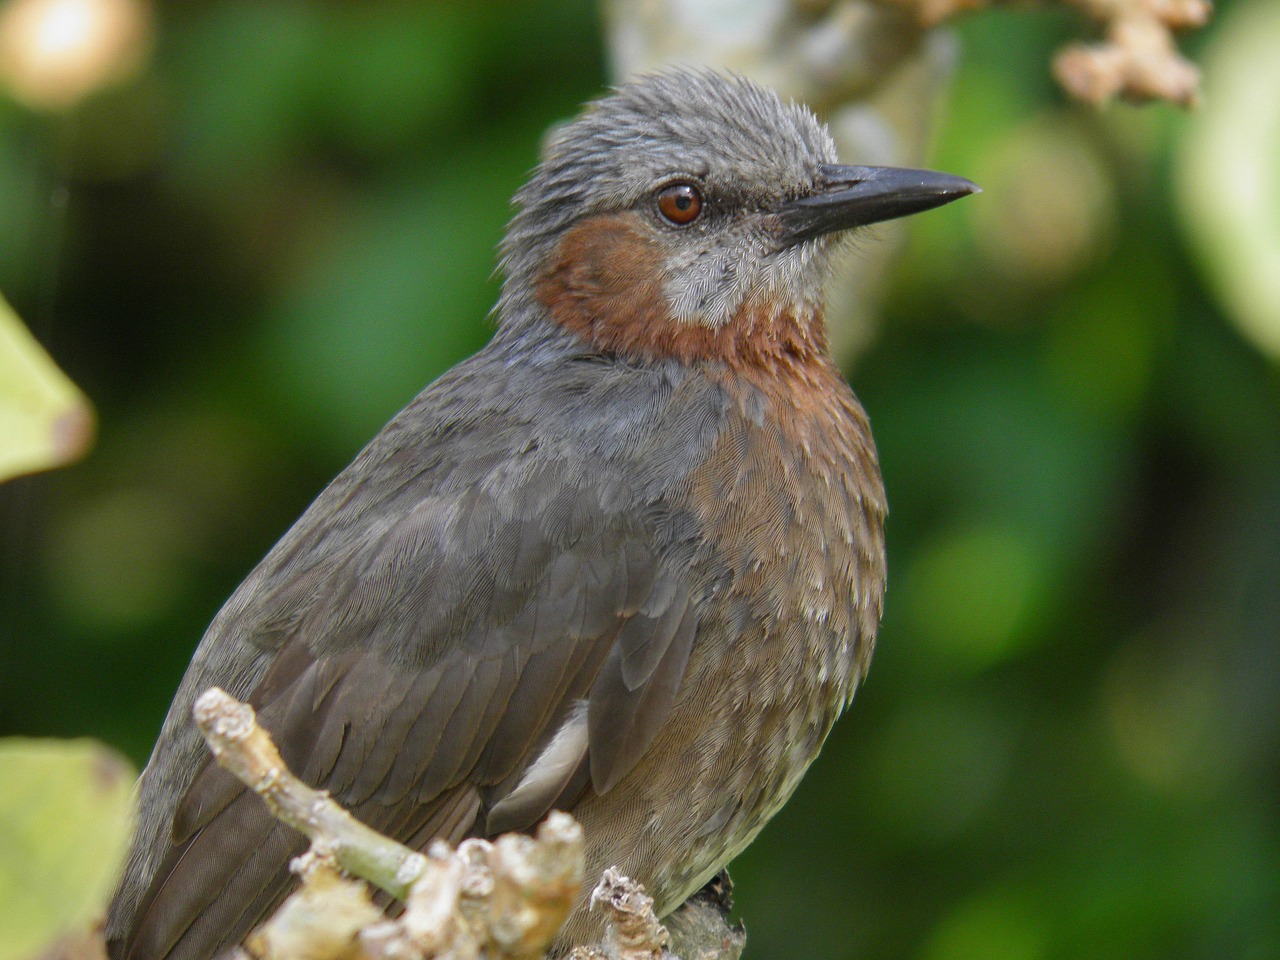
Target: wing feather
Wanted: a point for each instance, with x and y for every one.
(419, 639)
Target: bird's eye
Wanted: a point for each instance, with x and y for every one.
(680, 203)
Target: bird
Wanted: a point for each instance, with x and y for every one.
(626, 561)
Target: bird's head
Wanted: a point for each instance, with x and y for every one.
(690, 214)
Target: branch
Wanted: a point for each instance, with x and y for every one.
(634, 933)
(1137, 58)
(506, 899)
(246, 750)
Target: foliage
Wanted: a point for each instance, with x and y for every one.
(1227, 183)
(65, 818)
(44, 420)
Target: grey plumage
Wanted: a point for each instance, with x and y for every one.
(482, 573)
(627, 560)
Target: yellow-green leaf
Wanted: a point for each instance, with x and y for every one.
(1228, 182)
(45, 421)
(66, 815)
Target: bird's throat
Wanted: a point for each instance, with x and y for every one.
(604, 282)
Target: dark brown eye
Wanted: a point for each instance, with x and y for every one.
(680, 203)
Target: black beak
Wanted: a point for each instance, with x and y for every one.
(848, 197)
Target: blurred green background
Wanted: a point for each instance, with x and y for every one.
(256, 250)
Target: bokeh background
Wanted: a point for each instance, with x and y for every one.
(282, 225)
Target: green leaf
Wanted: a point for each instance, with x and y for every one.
(1228, 185)
(66, 815)
(45, 421)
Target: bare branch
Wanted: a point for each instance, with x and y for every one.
(633, 931)
(504, 900)
(246, 750)
(1137, 59)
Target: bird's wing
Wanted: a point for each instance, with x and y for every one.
(432, 637)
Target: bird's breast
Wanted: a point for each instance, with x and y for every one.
(791, 506)
(791, 509)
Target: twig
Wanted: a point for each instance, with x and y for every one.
(632, 930)
(1137, 58)
(246, 750)
(504, 900)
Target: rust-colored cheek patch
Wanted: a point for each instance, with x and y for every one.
(604, 281)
